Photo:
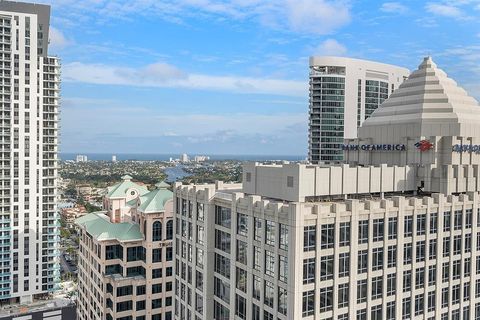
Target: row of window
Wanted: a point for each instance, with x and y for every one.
(327, 239)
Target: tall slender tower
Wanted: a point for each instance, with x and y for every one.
(29, 101)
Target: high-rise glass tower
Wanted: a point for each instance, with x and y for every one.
(29, 101)
(343, 93)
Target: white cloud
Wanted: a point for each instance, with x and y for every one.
(57, 39)
(393, 7)
(445, 10)
(317, 16)
(310, 16)
(168, 76)
(331, 47)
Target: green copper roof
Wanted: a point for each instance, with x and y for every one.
(155, 200)
(162, 185)
(99, 226)
(120, 189)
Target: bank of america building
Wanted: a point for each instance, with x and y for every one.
(392, 234)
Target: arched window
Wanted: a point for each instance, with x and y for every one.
(169, 229)
(157, 231)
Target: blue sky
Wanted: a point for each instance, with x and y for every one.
(230, 77)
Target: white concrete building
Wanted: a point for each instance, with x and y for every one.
(394, 234)
(343, 93)
(184, 157)
(81, 158)
(29, 90)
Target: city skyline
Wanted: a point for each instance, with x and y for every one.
(219, 77)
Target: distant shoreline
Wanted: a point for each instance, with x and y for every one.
(166, 157)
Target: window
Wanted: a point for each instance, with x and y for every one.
(362, 261)
(421, 224)
(308, 303)
(328, 236)
(391, 256)
(283, 238)
(419, 302)
(223, 216)
(282, 301)
(257, 287)
(157, 231)
(240, 307)
(242, 224)
(407, 280)
(256, 258)
(377, 283)
(432, 275)
(431, 301)
(446, 221)
(391, 284)
(445, 271)
(200, 212)
(392, 228)
(157, 255)
(269, 294)
(222, 265)
(326, 299)
(219, 311)
(269, 263)
(407, 253)
(200, 234)
(432, 249)
(377, 258)
(376, 313)
(406, 308)
(309, 270)
(289, 181)
(433, 222)
(378, 225)
(343, 293)
(242, 252)
(258, 229)
(344, 264)
(200, 258)
(169, 235)
(420, 247)
(457, 223)
(326, 267)
(362, 291)
(419, 278)
(344, 234)
(391, 310)
(221, 289)
(309, 238)
(363, 231)
(468, 218)
(222, 241)
(157, 273)
(282, 268)
(446, 247)
(269, 232)
(457, 244)
(408, 226)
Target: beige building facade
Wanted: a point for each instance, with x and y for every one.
(126, 267)
(392, 235)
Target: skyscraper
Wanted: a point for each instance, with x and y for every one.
(390, 235)
(29, 89)
(343, 93)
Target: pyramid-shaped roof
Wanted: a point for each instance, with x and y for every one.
(120, 189)
(99, 226)
(430, 100)
(155, 200)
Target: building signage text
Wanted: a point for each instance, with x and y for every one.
(374, 147)
(474, 148)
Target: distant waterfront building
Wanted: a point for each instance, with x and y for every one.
(392, 234)
(114, 158)
(81, 158)
(184, 158)
(30, 91)
(126, 255)
(343, 93)
(201, 158)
